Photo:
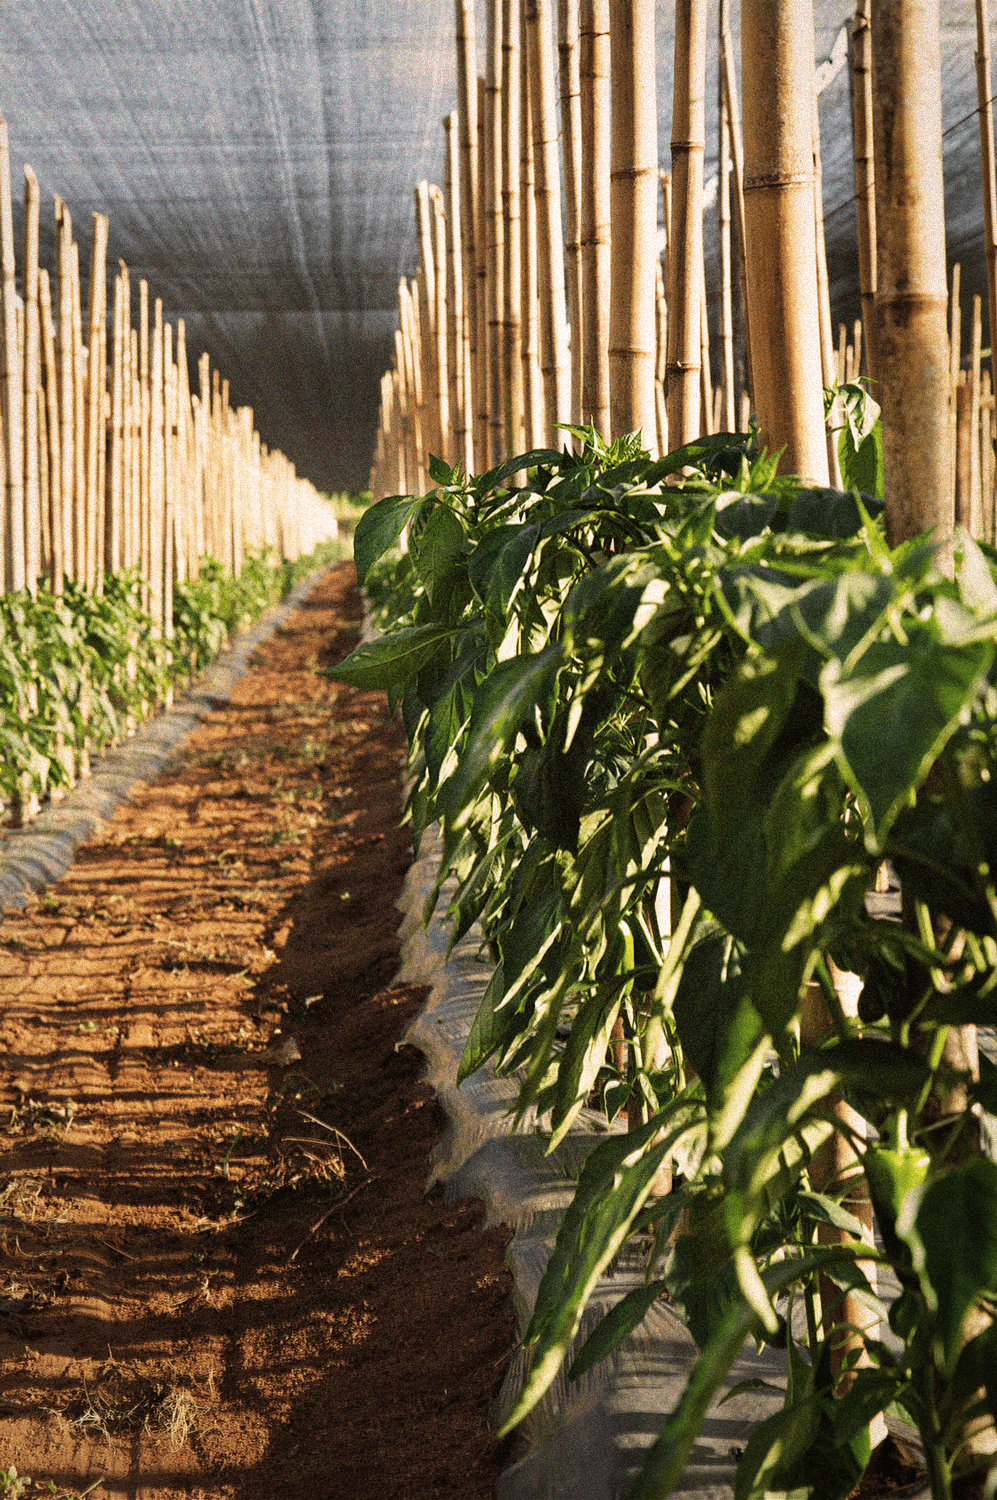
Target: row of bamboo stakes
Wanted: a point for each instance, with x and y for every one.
(109, 460)
(501, 280)
(505, 330)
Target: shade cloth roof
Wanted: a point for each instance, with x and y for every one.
(256, 159)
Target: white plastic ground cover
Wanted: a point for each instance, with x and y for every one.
(36, 855)
(587, 1439)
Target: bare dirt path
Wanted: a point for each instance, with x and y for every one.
(218, 1274)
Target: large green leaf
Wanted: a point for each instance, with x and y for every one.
(950, 1225)
(892, 710)
(613, 1186)
(437, 549)
(379, 528)
(392, 660)
(747, 716)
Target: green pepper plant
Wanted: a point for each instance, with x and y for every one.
(611, 668)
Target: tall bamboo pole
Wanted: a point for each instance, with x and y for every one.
(661, 356)
(96, 343)
(910, 255)
(824, 299)
(984, 94)
(67, 402)
(729, 86)
(79, 424)
(495, 231)
(777, 73)
(550, 238)
(865, 177)
(441, 361)
(594, 206)
(113, 552)
(571, 136)
(53, 432)
(724, 217)
(467, 111)
(157, 473)
(459, 312)
(12, 388)
(426, 285)
(32, 384)
(483, 418)
(144, 415)
(512, 315)
(533, 413)
(685, 252)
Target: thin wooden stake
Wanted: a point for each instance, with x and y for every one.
(32, 385)
(777, 42)
(594, 49)
(550, 239)
(910, 256)
(571, 136)
(512, 358)
(685, 240)
(865, 176)
(12, 386)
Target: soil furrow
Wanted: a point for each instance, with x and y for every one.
(218, 1273)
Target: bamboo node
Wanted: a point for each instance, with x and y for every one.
(779, 179)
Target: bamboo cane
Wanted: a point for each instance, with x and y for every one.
(44, 505)
(79, 424)
(12, 387)
(169, 492)
(910, 258)
(865, 179)
(67, 384)
(441, 361)
(54, 466)
(32, 385)
(96, 341)
(777, 72)
(955, 360)
(467, 112)
(512, 215)
(661, 356)
(665, 179)
(145, 446)
(984, 94)
(824, 302)
(550, 239)
(461, 371)
(726, 285)
(706, 378)
(962, 406)
(685, 240)
(186, 555)
(455, 312)
(533, 415)
(483, 416)
(571, 136)
(976, 341)
(494, 230)
(113, 550)
(986, 456)
(427, 318)
(594, 206)
(729, 84)
(157, 474)
(406, 485)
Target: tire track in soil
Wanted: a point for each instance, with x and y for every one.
(218, 1274)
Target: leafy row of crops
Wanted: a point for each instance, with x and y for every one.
(697, 670)
(77, 668)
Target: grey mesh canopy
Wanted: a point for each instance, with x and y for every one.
(257, 158)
